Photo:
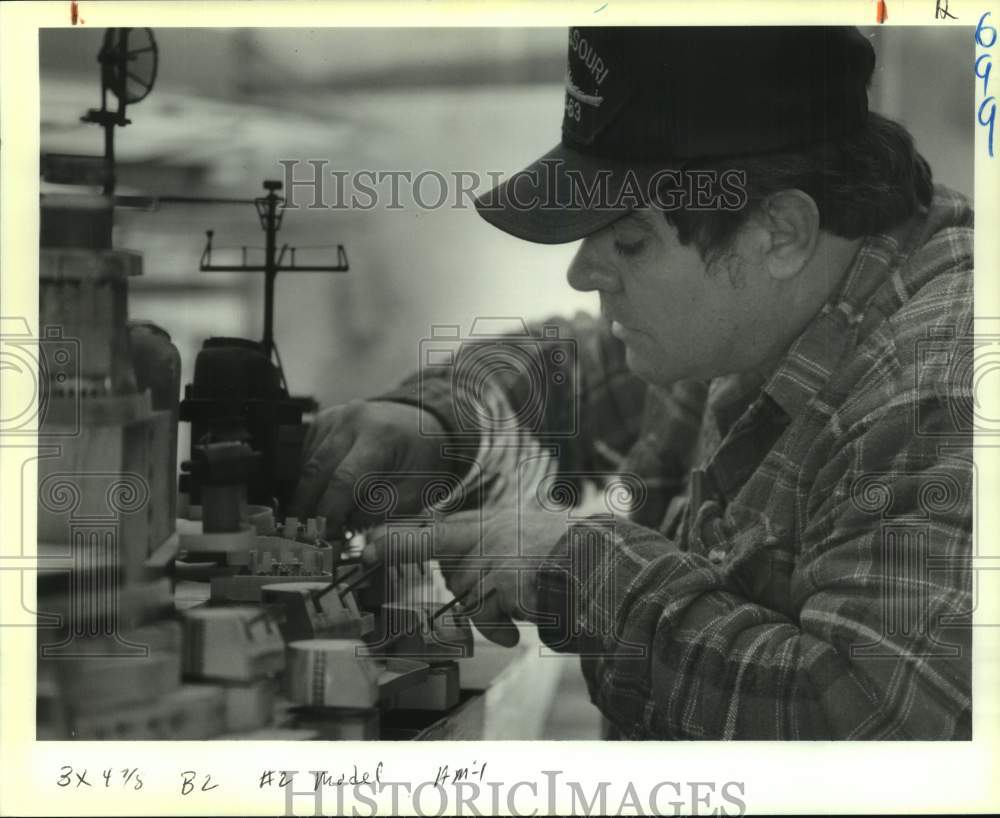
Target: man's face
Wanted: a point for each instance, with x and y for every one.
(677, 318)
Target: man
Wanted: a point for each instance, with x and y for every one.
(781, 388)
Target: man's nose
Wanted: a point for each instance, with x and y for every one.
(586, 272)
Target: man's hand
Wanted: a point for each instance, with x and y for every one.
(347, 442)
(490, 562)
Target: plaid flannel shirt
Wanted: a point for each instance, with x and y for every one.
(798, 566)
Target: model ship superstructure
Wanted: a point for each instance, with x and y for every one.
(206, 610)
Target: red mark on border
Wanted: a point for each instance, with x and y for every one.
(881, 15)
(74, 13)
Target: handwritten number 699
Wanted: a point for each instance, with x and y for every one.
(987, 111)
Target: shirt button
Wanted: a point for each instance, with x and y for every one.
(716, 555)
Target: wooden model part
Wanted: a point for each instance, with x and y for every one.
(409, 629)
(261, 518)
(231, 547)
(248, 587)
(337, 724)
(332, 673)
(97, 682)
(249, 705)
(440, 691)
(189, 713)
(343, 673)
(312, 610)
(231, 644)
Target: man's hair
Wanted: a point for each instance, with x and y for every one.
(862, 183)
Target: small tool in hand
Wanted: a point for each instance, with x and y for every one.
(458, 600)
(319, 593)
(415, 627)
(357, 579)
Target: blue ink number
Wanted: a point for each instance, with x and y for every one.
(987, 112)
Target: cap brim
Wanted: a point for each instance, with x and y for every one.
(565, 196)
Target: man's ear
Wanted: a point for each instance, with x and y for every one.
(790, 220)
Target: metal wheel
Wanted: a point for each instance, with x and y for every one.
(132, 58)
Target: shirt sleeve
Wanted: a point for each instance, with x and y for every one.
(859, 630)
(563, 386)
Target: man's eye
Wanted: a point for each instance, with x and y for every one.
(629, 248)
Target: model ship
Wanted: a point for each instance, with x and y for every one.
(198, 608)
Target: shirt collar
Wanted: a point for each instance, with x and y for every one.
(814, 355)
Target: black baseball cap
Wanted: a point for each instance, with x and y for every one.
(644, 103)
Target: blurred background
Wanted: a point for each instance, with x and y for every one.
(230, 103)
